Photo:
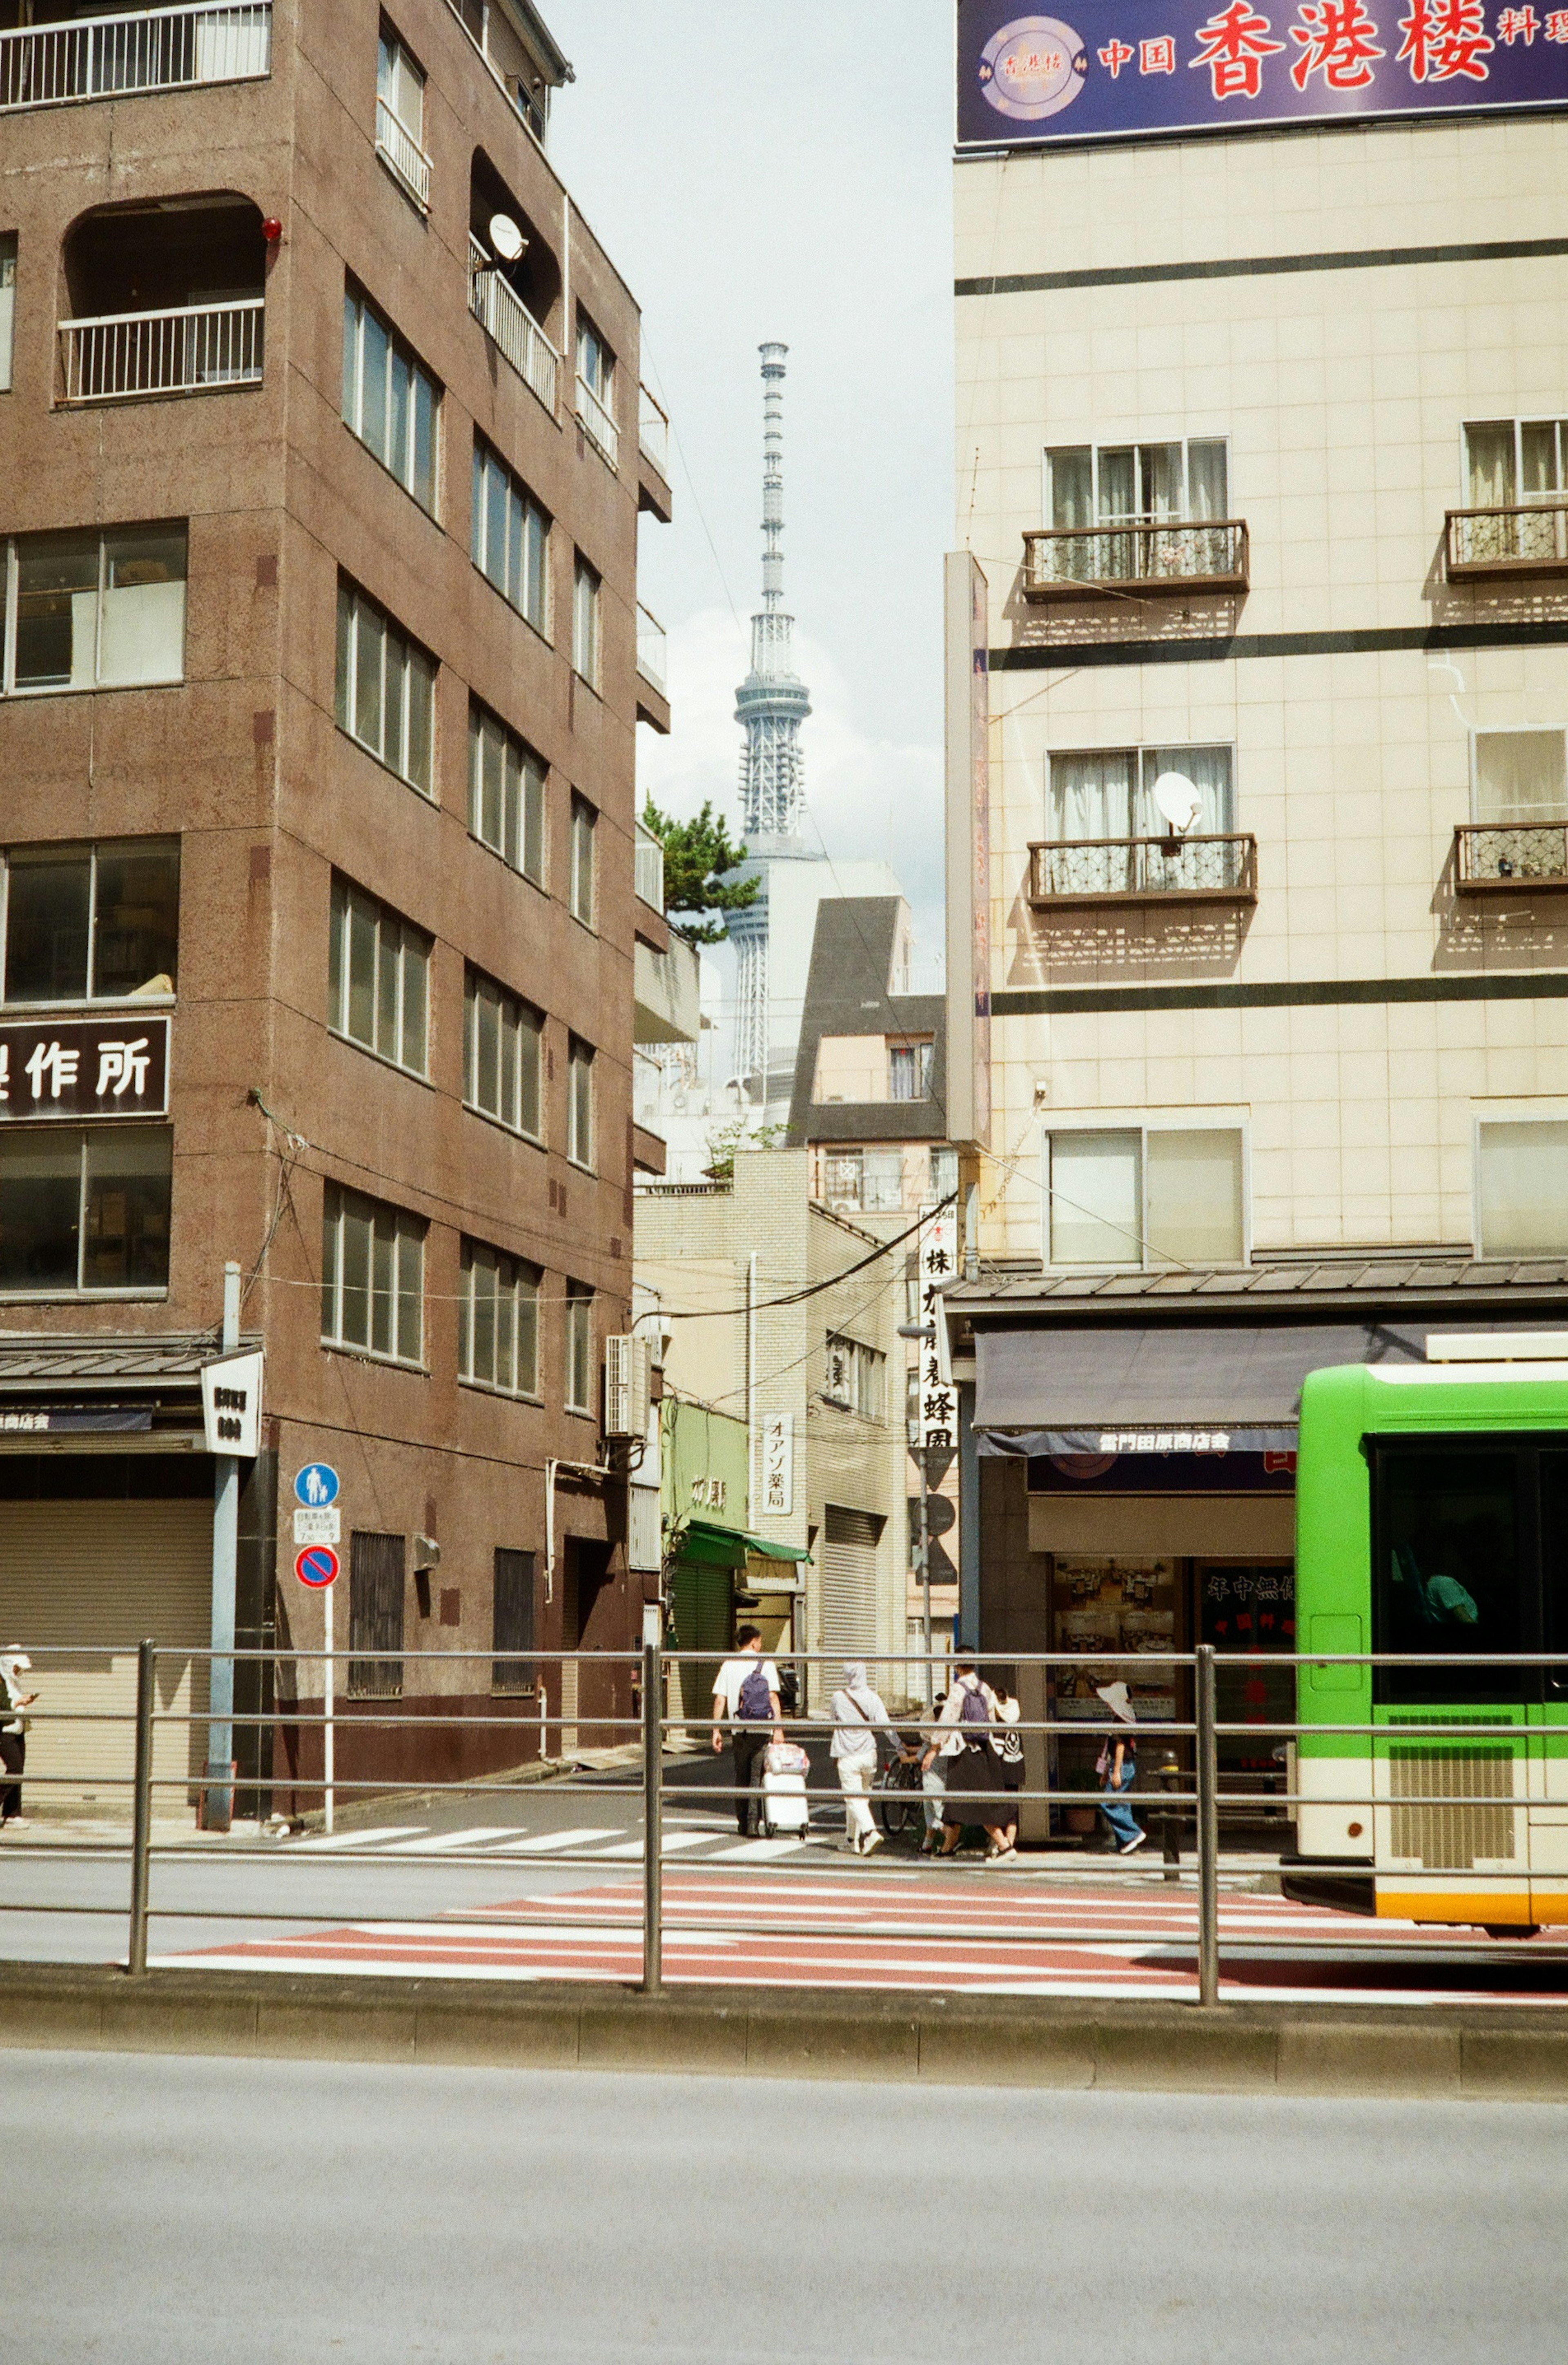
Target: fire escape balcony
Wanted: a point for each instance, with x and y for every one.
(145, 49)
(1511, 857)
(1528, 538)
(1154, 558)
(1068, 874)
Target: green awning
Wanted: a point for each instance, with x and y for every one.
(729, 1547)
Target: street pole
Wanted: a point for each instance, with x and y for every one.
(218, 1803)
(653, 1815)
(329, 1767)
(1208, 1829)
(142, 1810)
(925, 1570)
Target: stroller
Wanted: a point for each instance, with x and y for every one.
(783, 1806)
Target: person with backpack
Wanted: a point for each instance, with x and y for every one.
(858, 1716)
(745, 1698)
(961, 1739)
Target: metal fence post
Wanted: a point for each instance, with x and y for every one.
(653, 1818)
(142, 1810)
(1208, 1829)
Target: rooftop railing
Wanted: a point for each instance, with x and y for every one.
(598, 421)
(402, 155)
(1511, 857)
(653, 647)
(1088, 871)
(652, 430)
(507, 321)
(649, 873)
(1528, 538)
(198, 349)
(1148, 555)
(115, 57)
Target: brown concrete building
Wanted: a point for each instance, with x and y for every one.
(319, 523)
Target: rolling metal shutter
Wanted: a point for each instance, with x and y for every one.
(704, 1620)
(850, 1583)
(94, 1578)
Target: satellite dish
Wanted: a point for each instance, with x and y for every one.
(506, 238)
(1179, 802)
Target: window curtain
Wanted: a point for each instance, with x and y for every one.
(1489, 451)
(1208, 769)
(1091, 795)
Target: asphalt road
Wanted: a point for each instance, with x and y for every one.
(163, 2212)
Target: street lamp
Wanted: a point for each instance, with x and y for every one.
(925, 1332)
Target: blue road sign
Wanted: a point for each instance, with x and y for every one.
(317, 1566)
(316, 1486)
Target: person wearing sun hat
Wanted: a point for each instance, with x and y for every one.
(1117, 1766)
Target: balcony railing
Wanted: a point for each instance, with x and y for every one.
(1528, 539)
(505, 319)
(1097, 562)
(652, 430)
(652, 648)
(200, 349)
(598, 421)
(1511, 857)
(402, 155)
(1090, 870)
(114, 57)
(649, 871)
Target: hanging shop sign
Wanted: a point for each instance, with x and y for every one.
(1105, 68)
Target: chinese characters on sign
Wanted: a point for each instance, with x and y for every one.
(1163, 67)
(1165, 1440)
(778, 1465)
(709, 1493)
(85, 1067)
(936, 1417)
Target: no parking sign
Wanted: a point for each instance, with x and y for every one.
(317, 1566)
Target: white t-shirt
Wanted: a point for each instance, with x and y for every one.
(732, 1675)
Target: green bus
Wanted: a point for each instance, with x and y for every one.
(1432, 1520)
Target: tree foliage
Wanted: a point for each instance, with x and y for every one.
(698, 853)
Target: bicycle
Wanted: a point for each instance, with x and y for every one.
(899, 1799)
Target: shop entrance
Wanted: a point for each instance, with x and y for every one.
(1252, 1609)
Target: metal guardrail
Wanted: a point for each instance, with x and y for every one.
(1510, 857)
(118, 56)
(1135, 554)
(652, 430)
(598, 421)
(653, 649)
(648, 859)
(402, 155)
(1080, 871)
(511, 327)
(1199, 1798)
(198, 349)
(1517, 538)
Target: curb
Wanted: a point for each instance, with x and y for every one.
(1133, 2046)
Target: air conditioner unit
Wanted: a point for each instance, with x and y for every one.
(628, 1367)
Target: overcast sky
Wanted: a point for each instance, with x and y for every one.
(781, 168)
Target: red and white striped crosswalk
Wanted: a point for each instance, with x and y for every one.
(912, 1930)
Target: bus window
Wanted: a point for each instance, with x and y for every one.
(1554, 1560)
(1446, 1563)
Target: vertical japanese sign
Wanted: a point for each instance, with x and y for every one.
(1132, 66)
(778, 1465)
(968, 736)
(936, 1419)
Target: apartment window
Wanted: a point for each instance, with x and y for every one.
(1094, 484)
(400, 84)
(909, 1071)
(95, 610)
(944, 1175)
(580, 883)
(385, 689)
(84, 1211)
(579, 1347)
(1511, 461)
(596, 363)
(1109, 792)
(375, 1616)
(502, 1056)
(585, 622)
(499, 1322)
(579, 1104)
(856, 1376)
(1521, 1188)
(853, 1181)
(390, 400)
(512, 1631)
(91, 922)
(1145, 1196)
(1520, 776)
(505, 793)
(373, 1277)
(378, 979)
(510, 537)
(7, 307)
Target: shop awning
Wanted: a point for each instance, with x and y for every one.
(729, 1547)
(1174, 1388)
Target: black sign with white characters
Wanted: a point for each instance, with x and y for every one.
(85, 1067)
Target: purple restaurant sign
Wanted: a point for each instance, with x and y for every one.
(1110, 67)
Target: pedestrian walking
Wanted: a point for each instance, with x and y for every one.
(1007, 1747)
(1117, 1767)
(14, 1663)
(933, 1774)
(745, 1698)
(858, 1716)
(961, 1743)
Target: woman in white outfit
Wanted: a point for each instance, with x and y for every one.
(857, 1717)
